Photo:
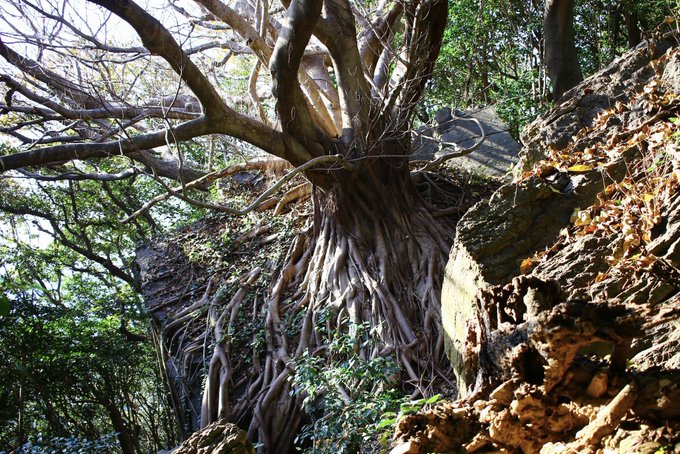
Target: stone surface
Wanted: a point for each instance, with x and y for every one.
(494, 237)
(220, 437)
(671, 74)
(167, 288)
(521, 218)
(495, 156)
(579, 106)
(424, 144)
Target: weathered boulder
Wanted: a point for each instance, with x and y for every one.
(495, 157)
(220, 437)
(496, 239)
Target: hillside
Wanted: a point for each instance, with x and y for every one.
(561, 298)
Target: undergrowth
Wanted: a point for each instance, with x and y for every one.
(352, 403)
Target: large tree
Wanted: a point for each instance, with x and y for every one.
(560, 49)
(345, 80)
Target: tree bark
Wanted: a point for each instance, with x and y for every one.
(633, 28)
(560, 49)
(125, 438)
(374, 257)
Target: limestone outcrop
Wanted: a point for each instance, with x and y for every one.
(561, 298)
(495, 238)
(220, 437)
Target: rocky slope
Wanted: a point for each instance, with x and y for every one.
(579, 255)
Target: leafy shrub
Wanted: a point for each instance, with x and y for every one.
(106, 444)
(345, 398)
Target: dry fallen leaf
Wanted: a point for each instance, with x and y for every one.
(580, 168)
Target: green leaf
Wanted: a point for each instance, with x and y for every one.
(433, 399)
(387, 422)
(5, 305)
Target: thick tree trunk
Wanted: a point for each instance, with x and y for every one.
(560, 50)
(127, 441)
(633, 28)
(378, 259)
(374, 257)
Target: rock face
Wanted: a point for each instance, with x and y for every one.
(496, 239)
(579, 106)
(494, 158)
(569, 274)
(166, 285)
(220, 437)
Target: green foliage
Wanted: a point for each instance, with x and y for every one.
(5, 305)
(66, 288)
(514, 104)
(493, 51)
(106, 444)
(64, 367)
(601, 27)
(492, 55)
(390, 419)
(346, 396)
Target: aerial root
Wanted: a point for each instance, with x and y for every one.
(378, 276)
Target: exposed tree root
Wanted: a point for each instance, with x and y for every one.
(369, 266)
(376, 266)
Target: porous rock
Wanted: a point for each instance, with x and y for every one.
(521, 218)
(220, 437)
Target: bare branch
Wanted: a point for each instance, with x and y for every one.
(223, 12)
(97, 44)
(316, 68)
(457, 153)
(325, 162)
(67, 152)
(80, 176)
(424, 33)
(103, 112)
(158, 40)
(61, 85)
(375, 38)
(167, 168)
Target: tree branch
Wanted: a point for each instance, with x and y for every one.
(80, 176)
(223, 12)
(59, 84)
(291, 105)
(326, 161)
(239, 126)
(158, 40)
(104, 110)
(68, 152)
(441, 158)
(422, 45)
(376, 37)
(337, 32)
(60, 236)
